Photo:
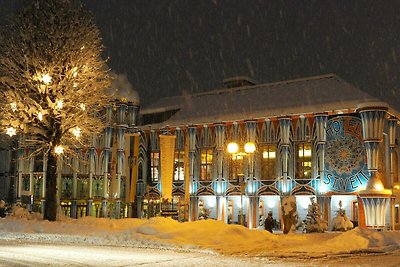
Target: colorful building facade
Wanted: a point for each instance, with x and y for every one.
(309, 139)
(317, 136)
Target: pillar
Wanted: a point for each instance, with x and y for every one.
(219, 144)
(251, 130)
(43, 191)
(74, 201)
(192, 135)
(375, 197)
(284, 126)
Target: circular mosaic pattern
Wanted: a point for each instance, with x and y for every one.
(344, 155)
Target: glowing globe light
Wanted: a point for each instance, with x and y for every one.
(59, 150)
(233, 148)
(46, 78)
(11, 131)
(249, 147)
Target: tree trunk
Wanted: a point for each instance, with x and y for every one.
(50, 211)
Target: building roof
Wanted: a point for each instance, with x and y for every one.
(325, 93)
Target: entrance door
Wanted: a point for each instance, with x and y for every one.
(354, 214)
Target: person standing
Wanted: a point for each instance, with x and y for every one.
(269, 222)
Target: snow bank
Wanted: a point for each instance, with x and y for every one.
(208, 235)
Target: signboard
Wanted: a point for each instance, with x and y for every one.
(169, 213)
(345, 157)
(167, 153)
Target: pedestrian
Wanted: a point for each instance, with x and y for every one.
(2, 208)
(269, 222)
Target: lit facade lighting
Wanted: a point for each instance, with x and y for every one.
(75, 71)
(46, 78)
(59, 150)
(76, 131)
(13, 106)
(60, 104)
(11, 131)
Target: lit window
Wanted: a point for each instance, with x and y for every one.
(205, 165)
(179, 166)
(236, 166)
(303, 161)
(155, 163)
(268, 162)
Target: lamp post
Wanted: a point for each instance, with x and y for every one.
(249, 149)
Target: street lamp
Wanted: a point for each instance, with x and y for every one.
(249, 149)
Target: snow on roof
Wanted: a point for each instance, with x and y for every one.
(300, 96)
(123, 90)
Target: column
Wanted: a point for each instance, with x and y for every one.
(374, 198)
(89, 204)
(251, 130)
(120, 168)
(43, 193)
(74, 201)
(321, 120)
(192, 135)
(391, 177)
(284, 126)
(220, 183)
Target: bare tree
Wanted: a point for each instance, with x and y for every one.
(53, 81)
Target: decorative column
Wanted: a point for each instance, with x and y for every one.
(43, 193)
(320, 127)
(251, 130)
(220, 183)
(74, 202)
(375, 197)
(89, 206)
(118, 155)
(59, 185)
(120, 169)
(20, 157)
(108, 133)
(391, 178)
(192, 135)
(284, 126)
(392, 143)
(31, 182)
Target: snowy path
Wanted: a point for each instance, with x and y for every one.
(18, 253)
(24, 252)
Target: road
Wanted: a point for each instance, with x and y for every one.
(19, 253)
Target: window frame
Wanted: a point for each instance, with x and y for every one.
(179, 166)
(155, 166)
(266, 165)
(207, 165)
(300, 167)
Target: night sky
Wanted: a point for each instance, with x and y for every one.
(172, 47)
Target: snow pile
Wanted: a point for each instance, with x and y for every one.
(341, 222)
(313, 222)
(208, 235)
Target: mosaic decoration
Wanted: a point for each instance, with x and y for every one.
(345, 159)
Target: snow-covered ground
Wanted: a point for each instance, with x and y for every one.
(205, 236)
